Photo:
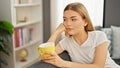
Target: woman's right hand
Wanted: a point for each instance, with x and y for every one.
(60, 28)
(56, 33)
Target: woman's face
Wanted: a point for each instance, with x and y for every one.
(73, 22)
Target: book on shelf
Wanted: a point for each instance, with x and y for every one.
(22, 36)
(16, 36)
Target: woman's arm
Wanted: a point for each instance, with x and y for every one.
(58, 49)
(56, 33)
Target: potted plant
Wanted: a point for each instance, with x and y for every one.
(6, 31)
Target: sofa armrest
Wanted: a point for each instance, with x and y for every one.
(117, 61)
(65, 56)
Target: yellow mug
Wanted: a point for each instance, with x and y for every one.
(46, 47)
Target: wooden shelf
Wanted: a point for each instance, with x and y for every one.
(26, 23)
(29, 62)
(26, 5)
(28, 45)
(28, 30)
(32, 58)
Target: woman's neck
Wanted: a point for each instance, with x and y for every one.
(81, 37)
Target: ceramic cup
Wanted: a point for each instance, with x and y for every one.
(46, 47)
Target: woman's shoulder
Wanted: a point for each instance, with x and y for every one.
(97, 33)
(98, 37)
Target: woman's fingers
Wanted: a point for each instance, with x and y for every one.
(53, 59)
(61, 27)
(51, 53)
(49, 58)
(66, 33)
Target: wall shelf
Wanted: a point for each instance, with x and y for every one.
(26, 5)
(26, 23)
(27, 45)
(28, 30)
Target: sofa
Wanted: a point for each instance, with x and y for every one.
(112, 34)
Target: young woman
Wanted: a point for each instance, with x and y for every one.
(86, 47)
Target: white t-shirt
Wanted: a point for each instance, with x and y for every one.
(84, 54)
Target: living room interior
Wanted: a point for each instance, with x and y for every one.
(46, 16)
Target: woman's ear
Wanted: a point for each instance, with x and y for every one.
(85, 24)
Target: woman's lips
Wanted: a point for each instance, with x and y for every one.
(69, 29)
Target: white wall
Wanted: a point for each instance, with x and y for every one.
(94, 7)
(5, 10)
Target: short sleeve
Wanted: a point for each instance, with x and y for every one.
(101, 38)
(63, 43)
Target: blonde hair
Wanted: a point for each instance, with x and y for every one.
(81, 9)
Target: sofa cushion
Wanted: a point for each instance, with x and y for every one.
(108, 33)
(116, 42)
(65, 56)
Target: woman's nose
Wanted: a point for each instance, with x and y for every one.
(68, 22)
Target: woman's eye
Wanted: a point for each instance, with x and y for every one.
(64, 19)
(74, 19)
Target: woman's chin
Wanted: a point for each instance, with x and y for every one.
(70, 33)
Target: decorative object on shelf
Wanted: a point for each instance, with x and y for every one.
(26, 19)
(23, 54)
(6, 31)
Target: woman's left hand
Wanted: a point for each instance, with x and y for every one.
(54, 59)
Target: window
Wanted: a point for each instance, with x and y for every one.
(94, 7)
